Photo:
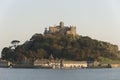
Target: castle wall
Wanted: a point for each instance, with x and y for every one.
(61, 29)
(53, 29)
(72, 31)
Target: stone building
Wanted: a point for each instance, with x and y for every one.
(61, 29)
(74, 64)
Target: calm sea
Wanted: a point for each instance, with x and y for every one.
(59, 74)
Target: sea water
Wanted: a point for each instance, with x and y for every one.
(59, 74)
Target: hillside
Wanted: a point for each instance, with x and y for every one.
(66, 47)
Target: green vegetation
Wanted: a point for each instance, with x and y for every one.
(62, 47)
(108, 60)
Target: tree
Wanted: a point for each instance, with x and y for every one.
(15, 43)
(41, 53)
(7, 54)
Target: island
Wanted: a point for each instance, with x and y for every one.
(60, 47)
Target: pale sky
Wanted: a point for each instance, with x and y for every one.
(20, 19)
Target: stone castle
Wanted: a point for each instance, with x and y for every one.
(61, 29)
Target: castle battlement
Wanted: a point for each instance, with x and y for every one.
(61, 29)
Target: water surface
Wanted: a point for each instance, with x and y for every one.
(59, 74)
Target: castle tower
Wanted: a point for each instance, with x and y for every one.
(61, 24)
(73, 30)
(46, 31)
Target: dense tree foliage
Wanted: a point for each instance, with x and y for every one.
(15, 42)
(61, 47)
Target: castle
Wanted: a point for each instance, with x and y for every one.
(61, 29)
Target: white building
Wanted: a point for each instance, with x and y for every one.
(41, 63)
(74, 64)
(44, 63)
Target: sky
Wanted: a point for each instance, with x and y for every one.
(21, 19)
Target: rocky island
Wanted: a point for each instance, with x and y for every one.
(61, 47)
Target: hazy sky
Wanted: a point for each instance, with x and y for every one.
(20, 19)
